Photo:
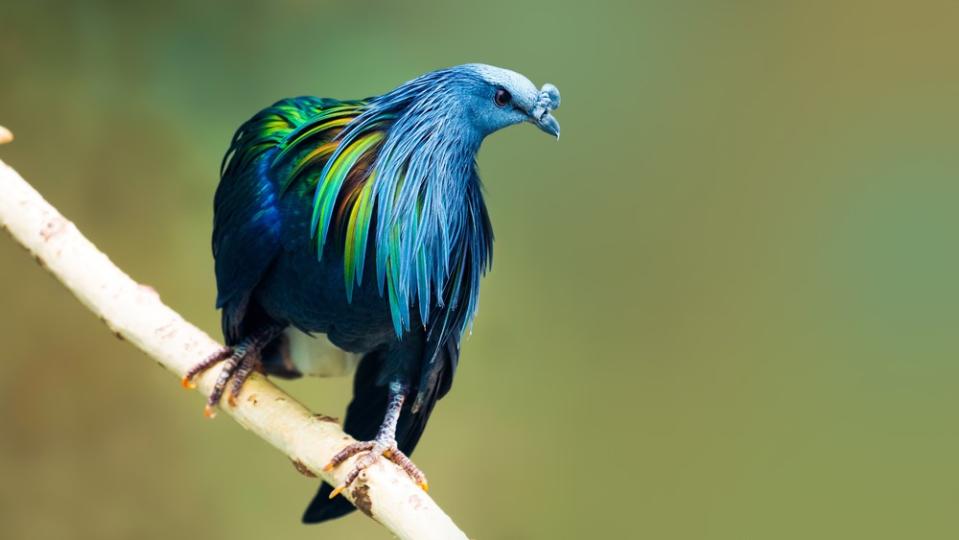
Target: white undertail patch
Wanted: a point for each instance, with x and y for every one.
(318, 357)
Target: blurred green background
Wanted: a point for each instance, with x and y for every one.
(724, 305)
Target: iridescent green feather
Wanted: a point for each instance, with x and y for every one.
(328, 191)
(317, 157)
(357, 234)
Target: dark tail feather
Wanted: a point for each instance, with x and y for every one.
(363, 419)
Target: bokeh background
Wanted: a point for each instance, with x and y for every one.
(724, 305)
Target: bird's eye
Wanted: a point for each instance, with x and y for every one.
(502, 97)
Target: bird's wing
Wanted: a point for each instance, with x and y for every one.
(335, 168)
(247, 221)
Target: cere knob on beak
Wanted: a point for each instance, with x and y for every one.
(547, 101)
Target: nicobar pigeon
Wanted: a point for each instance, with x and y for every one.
(353, 235)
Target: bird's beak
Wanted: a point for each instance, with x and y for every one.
(540, 114)
(548, 123)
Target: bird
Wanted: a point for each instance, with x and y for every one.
(350, 236)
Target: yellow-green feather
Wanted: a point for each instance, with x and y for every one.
(328, 189)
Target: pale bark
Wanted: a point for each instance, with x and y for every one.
(135, 313)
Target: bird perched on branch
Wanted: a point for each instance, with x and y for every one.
(354, 234)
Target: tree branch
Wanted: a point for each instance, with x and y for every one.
(135, 313)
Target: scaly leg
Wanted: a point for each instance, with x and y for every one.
(239, 362)
(383, 445)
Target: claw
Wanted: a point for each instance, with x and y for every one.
(337, 490)
(384, 445)
(239, 361)
(375, 450)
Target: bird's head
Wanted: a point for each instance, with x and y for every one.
(496, 98)
(467, 102)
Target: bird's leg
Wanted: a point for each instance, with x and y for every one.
(383, 445)
(239, 362)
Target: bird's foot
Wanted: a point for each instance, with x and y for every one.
(374, 449)
(239, 362)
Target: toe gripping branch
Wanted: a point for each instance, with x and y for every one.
(239, 361)
(383, 445)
